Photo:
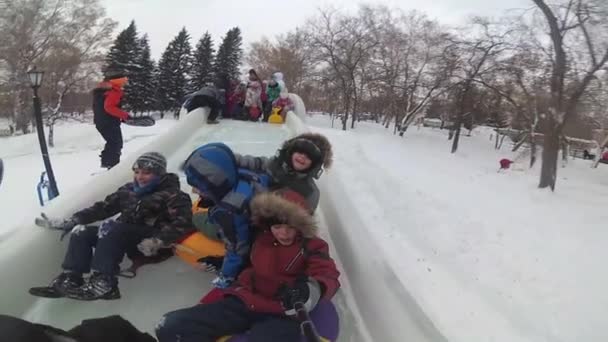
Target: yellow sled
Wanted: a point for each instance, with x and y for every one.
(198, 246)
(275, 117)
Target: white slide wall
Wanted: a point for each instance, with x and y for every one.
(378, 305)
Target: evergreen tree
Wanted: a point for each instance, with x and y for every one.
(123, 56)
(228, 59)
(173, 70)
(141, 83)
(202, 69)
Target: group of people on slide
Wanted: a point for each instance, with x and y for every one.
(249, 100)
(252, 100)
(262, 209)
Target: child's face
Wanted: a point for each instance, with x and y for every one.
(284, 233)
(143, 177)
(300, 161)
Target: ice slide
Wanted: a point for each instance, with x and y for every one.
(373, 305)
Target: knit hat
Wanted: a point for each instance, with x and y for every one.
(152, 161)
(114, 74)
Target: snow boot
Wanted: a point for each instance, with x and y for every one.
(63, 284)
(212, 122)
(99, 286)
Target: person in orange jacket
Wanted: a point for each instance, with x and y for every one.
(108, 115)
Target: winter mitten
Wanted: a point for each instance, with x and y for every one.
(222, 282)
(149, 246)
(306, 291)
(211, 263)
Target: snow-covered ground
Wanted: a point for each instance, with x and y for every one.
(74, 158)
(486, 255)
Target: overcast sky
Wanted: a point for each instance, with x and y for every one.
(162, 19)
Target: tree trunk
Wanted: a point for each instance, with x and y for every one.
(548, 172)
(51, 138)
(457, 134)
(532, 150)
(502, 139)
(565, 152)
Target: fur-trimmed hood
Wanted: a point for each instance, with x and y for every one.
(291, 211)
(322, 143)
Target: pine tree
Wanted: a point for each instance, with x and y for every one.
(202, 69)
(173, 72)
(228, 59)
(123, 56)
(141, 83)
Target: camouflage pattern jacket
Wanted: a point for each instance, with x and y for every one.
(166, 210)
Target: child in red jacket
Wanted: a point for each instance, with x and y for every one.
(289, 264)
(108, 115)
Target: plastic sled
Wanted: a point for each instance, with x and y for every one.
(275, 117)
(141, 121)
(324, 317)
(197, 246)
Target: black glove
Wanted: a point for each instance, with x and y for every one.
(305, 290)
(212, 263)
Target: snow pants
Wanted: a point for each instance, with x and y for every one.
(229, 316)
(111, 241)
(205, 101)
(112, 134)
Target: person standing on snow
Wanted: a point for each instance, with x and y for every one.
(213, 171)
(273, 90)
(296, 165)
(289, 264)
(253, 97)
(107, 97)
(154, 213)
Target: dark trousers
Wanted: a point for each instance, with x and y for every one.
(208, 322)
(110, 247)
(205, 101)
(112, 134)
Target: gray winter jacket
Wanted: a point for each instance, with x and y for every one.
(282, 177)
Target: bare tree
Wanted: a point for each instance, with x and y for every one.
(570, 22)
(64, 36)
(289, 54)
(341, 44)
(479, 56)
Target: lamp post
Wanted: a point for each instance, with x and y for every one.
(36, 80)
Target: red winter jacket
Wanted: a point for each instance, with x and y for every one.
(273, 265)
(112, 102)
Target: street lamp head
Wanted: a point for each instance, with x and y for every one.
(35, 77)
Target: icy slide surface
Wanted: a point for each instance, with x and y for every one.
(372, 306)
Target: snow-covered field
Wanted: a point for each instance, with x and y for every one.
(486, 255)
(74, 158)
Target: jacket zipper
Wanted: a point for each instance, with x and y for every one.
(293, 261)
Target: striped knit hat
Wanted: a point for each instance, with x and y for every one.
(152, 161)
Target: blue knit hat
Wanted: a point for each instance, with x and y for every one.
(212, 169)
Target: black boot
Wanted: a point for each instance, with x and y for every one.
(67, 282)
(99, 286)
